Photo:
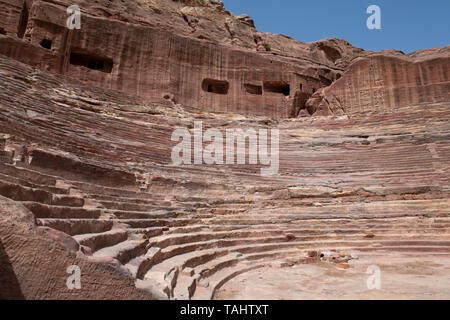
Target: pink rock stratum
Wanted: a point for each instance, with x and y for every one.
(87, 178)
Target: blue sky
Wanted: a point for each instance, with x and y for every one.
(407, 25)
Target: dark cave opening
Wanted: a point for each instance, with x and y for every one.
(215, 86)
(23, 22)
(253, 89)
(47, 44)
(277, 87)
(91, 61)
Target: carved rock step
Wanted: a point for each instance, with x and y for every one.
(152, 287)
(130, 206)
(204, 275)
(193, 258)
(194, 254)
(18, 192)
(186, 225)
(220, 279)
(156, 222)
(357, 210)
(27, 174)
(391, 244)
(97, 241)
(46, 211)
(123, 251)
(148, 233)
(108, 193)
(312, 229)
(208, 269)
(259, 219)
(132, 215)
(128, 197)
(189, 253)
(34, 175)
(51, 189)
(77, 226)
(167, 240)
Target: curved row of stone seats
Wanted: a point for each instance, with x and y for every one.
(56, 191)
(41, 196)
(54, 207)
(99, 236)
(96, 241)
(209, 273)
(334, 162)
(6, 156)
(124, 249)
(189, 254)
(187, 230)
(220, 239)
(158, 272)
(416, 173)
(27, 177)
(185, 251)
(77, 226)
(205, 288)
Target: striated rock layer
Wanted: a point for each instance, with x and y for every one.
(203, 69)
(86, 176)
(382, 83)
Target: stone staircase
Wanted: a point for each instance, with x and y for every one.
(191, 254)
(103, 176)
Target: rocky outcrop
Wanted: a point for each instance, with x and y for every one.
(87, 179)
(360, 185)
(206, 58)
(136, 54)
(34, 262)
(383, 83)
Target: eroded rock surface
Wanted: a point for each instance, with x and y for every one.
(382, 83)
(178, 48)
(34, 262)
(86, 175)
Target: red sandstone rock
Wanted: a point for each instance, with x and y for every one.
(24, 274)
(343, 266)
(290, 236)
(383, 83)
(86, 118)
(135, 58)
(313, 254)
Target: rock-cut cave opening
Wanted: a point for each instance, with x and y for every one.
(215, 86)
(23, 22)
(277, 87)
(92, 62)
(253, 89)
(45, 43)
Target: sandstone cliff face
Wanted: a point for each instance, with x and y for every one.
(201, 56)
(86, 175)
(205, 58)
(383, 83)
(34, 262)
(95, 164)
